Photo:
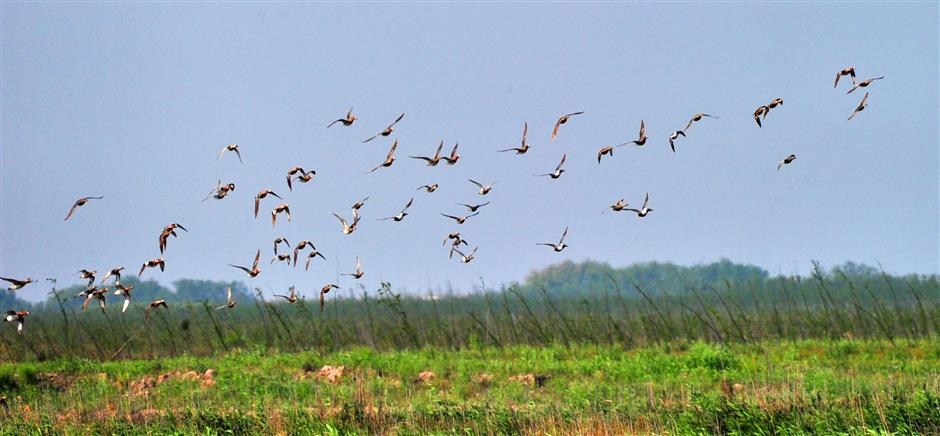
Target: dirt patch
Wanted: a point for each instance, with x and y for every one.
(142, 386)
(425, 376)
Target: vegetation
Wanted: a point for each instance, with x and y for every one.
(809, 386)
(576, 348)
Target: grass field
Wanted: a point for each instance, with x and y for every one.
(778, 387)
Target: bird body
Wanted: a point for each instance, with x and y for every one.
(323, 291)
(786, 161)
(79, 203)
(672, 138)
(401, 215)
(847, 71)
(261, 195)
(434, 160)
(230, 302)
(124, 291)
(864, 84)
(484, 189)
(561, 243)
(454, 156)
(19, 317)
(150, 264)
(861, 106)
(388, 130)
(347, 121)
(522, 149)
(154, 305)
(280, 208)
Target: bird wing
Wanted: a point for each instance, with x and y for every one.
(564, 157)
(224, 149)
(838, 75)
(142, 267)
(391, 152)
(239, 154)
(367, 140)
(476, 183)
(397, 120)
(341, 220)
(241, 268)
(525, 132)
(71, 211)
(374, 169)
(408, 205)
(257, 204)
(853, 88)
(229, 293)
(563, 236)
(555, 130)
(440, 147)
(127, 302)
(358, 265)
(257, 258)
(646, 200)
(642, 128)
(334, 122)
(451, 217)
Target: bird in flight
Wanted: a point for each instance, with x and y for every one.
(90, 275)
(695, 118)
(151, 264)
(168, 231)
(642, 139)
(864, 83)
(861, 106)
(847, 71)
(641, 212)
(254, 271)
(290, 175)
(673, 137)
(283, 207)
(16, 283)
(310, 257)
(761, 110)
(280, 240)
(484, 189)
(457, 240)
(461, 219)
(155, 304)
(401, 215)
(97, 294)
(220, 191)
(429, 188)
(434, 160)
(619, 205)
(292, 297)
(357, 205)
(323, 292)
(562, 120)
(79, 203)
(116, 273)
(388, 130)
(124, 291)
(776, 102)
(19, 318)
(786, 161)
(231, 147)
(303, 177)
(522, 149)
(350, 118)
(389, 158)
(558, 170)
(261, 195)
(466, 258)
(348, 228)
(473, 207)
(284, 257)
(230, 303)
(303, 244)
(561, 245)
(454, 156)
(358, 274)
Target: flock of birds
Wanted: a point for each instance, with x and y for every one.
(98, 292)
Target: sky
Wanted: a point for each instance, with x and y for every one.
(134, 101)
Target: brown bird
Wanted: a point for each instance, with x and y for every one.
(323, 292)
(290, 175)
(642, 139)
(461, 219)
(304, 177)
(230, 302)
(303, 244)
(350, 118)
(254, 271)
(154, 305)
(164, 238)
(389, 158)
(473, 207)
(358, 274)
(261, 195)
(864, 83)
(280, 208)
(562, 120)
(429, 188)
(16, 284)
(98, 294)
(292, 298)
(761, 110)
(401, 215)
(522, 149)
(786, 161)
(455, 237)
(466, 258)
(278, 241)
(561, 245)
(643, 210)
(695, 118)
(348, 228)
(434, 160)
(605, 151)
(484, 189)
(79, 203)
(454, 156)
(124, 291)
(861, 106)
(776, 102)
(847, 71)
(150, 264)
(231, 147)
(388, 130)
(220, 191)
(281, 258)
(558, 170)
(90, 275)
(619, 205)
(175, 226)
(310, 257)
(116, 273)
(19, 318)
(359, 204)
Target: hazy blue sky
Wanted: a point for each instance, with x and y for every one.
(133, 102)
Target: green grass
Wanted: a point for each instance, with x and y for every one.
(810, 386)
